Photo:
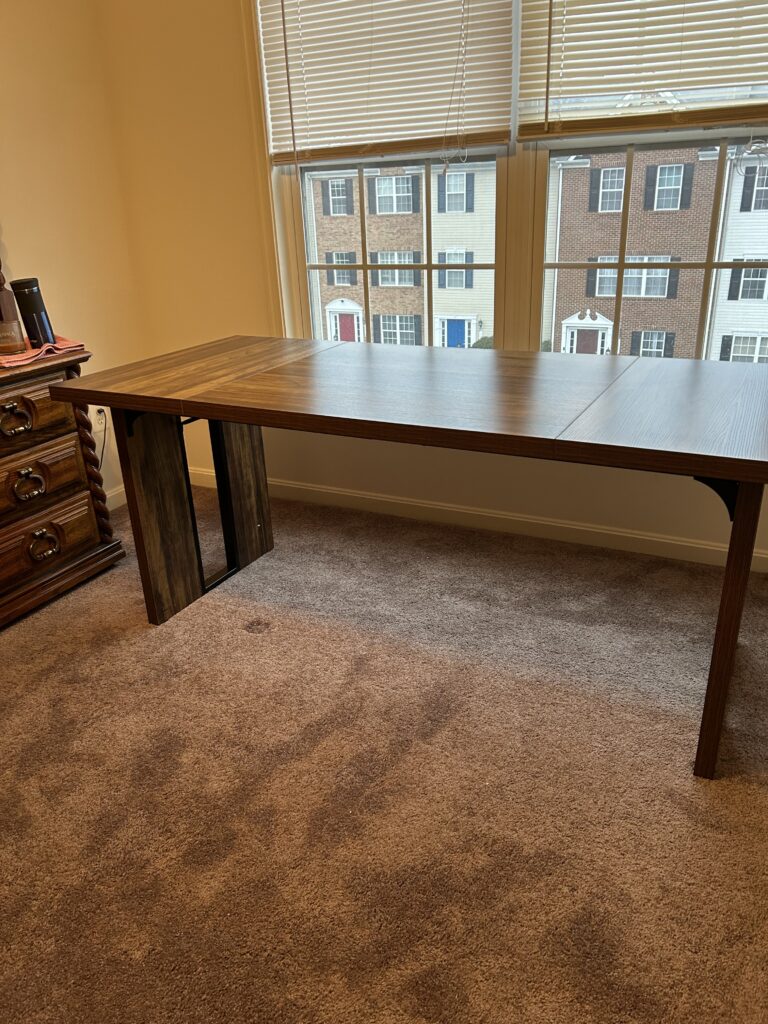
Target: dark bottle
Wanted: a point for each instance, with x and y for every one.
(33, 311)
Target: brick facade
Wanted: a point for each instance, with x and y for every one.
(585, 234)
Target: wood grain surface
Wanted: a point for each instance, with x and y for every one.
(668, 415)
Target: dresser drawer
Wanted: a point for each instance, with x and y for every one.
(28, 415)
(38, 475)
(41, 542)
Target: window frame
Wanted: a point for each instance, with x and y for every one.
(457, 266)
(403, 194)
(763, 280)
(659, 337)
(462, 191)
(760, 172)
(394, 267)
(668, 188)
(613, 189)
(606, 269)
(399, 330)
(342, 197)
(299, 268)
(346, 267)
(761, 341)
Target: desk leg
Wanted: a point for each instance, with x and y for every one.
(241, 478)
(156, 478)
(743, 532)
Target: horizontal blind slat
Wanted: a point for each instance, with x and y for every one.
(367, 71)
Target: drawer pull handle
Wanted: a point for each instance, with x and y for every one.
(25, 493)
(11, 410)
(44, 544)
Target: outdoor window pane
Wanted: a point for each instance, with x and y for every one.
(463, 317)
(573, 322)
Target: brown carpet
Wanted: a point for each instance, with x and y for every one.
(392, 772)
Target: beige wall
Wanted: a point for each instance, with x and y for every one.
(147, 160)
(62, 215)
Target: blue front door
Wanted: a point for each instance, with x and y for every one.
(456, 335)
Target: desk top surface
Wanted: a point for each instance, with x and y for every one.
(670, 415)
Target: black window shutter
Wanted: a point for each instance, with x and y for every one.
(649, 201)
(441, 193)
(469, 275)
(417, 273)
(417, 328)
(734, 288)
(748, 192)
(349, 185)
(725, 348)
(470, 191)
(669, 344)
(673, 279)
(415, 194)
(330, 274)
(377, 328)
(352, 273)
(441, 273)
(592, 279)
(687, 189)
(594, 190)
(634, 344)
(325, 188)
(373, 257)
(371, 195)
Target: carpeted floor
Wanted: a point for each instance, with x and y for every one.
(392, 773)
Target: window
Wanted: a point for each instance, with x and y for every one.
(398, 329)
(394, 194)
(394, 255)
(652, 343)
(396, 276)
(455, 192)
(669, 186)
(455, 278)
(753, 281)
(639, 282)
(760, 201)
(708, 267)
(337, 188)
(749, 348)
(344, 276)
(611, 189)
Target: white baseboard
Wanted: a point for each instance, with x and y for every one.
(116, 497)
(708, 552)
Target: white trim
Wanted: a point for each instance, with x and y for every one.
(612, 190)
(668, 209)
(664, 545)
(116, 496)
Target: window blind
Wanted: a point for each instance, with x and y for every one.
(375, 74)
(612, 65)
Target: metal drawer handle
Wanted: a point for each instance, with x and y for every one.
(28, 476)
(12, 410)
(44, 544)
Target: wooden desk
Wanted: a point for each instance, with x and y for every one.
(702, 419)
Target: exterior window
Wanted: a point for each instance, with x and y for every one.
(638, 282)
(394, 194)
(611, 189)
(652, 343)
(753, 281)
(456, 192)
(669, 187)
(338, 192)
(749, 348)
(455, 278)
(760, 201)
(343, 276)
(395, 277)
(398, 329)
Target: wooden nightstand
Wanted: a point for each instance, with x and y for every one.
(54, 523)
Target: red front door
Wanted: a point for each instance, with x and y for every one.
(347, 327)
(586, 342)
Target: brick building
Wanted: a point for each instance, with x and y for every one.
(463, 221)
(670, 210)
